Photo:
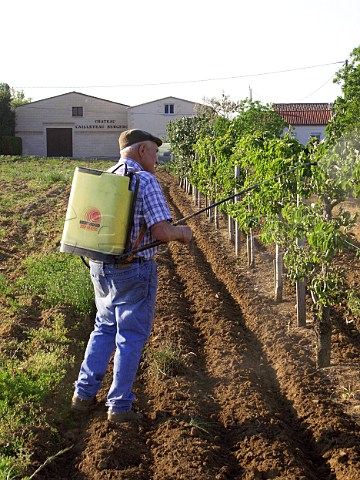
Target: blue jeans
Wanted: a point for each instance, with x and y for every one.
(125, 300)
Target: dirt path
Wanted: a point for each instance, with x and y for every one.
(245, 403)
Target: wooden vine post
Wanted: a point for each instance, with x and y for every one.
(237, 232)
(195, 195)
(279, 266)
(211, 202)
(231, 228)
(250, 244)
(323, 328)
(278, 272)
(300, 285)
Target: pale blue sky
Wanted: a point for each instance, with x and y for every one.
(137, 51)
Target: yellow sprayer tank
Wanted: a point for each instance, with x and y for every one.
(98, 214)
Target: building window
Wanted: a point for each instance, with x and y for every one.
(169, 109)
(77, 111)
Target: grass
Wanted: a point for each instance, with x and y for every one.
(7, 292)
(166, 360)
(59, 279)
(33, 371)
(37, 353)
(349, 392)
(201, 424)
(353, 302)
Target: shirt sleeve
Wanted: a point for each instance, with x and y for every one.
(155, 208)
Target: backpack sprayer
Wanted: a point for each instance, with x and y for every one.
(99, 214)
(101, 209)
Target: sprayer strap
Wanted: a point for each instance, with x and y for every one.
(117, 166)
(130, 174)
(136, 243)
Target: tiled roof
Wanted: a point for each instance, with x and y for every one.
(304, 113)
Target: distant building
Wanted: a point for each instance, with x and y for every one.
(82, 126)
(156, 115)
(71, 125)
(307, 119)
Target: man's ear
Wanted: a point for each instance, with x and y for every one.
(142, 148)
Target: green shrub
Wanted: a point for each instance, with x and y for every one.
(10, 145)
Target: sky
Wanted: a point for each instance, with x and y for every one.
(133, 52)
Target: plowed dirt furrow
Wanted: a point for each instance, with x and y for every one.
(304, 388)
(188, 432)
(254, 413)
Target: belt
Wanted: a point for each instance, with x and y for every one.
(133, 260)
(125, 263)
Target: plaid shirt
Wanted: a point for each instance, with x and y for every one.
(150, 207)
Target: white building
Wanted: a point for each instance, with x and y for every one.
(156, 115)
(71, 125)
(308, 120)
(82, 126)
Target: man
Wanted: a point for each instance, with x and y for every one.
(125, 293)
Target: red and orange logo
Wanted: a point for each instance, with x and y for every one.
(90, 219)
(93, 215)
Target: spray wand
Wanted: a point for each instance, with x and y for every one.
(241, 192)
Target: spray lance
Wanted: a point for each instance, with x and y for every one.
(241, 192)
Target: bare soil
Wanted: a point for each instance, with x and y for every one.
(246, 401)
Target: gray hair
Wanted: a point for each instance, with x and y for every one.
(128, 150)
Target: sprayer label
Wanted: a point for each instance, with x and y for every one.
(91, 219)
(89, 226)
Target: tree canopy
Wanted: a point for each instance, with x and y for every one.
(346, 112)
(7, 114)
(9, 100)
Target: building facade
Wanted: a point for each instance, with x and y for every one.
(156, 115)
(71, 125)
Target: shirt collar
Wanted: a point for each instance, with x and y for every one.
(132, 163)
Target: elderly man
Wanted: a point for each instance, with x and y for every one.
(125, 293)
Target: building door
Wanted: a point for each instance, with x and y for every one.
(59, 142)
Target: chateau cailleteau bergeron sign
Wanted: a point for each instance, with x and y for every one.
(101, 125)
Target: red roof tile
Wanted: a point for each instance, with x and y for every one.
(304, 113)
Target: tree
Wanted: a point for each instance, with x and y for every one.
(254, 117)
(7, 114)
(18, 98)
(309, 234)
(223, 107)
(9, 100)
(183, 134)
(346, 110)
(336, 178)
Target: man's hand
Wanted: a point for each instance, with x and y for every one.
(166, 232)
(186, 234)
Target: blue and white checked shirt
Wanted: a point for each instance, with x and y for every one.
(150, 207)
